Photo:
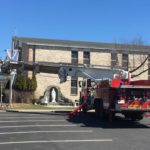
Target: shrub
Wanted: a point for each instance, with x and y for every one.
(25, 84)
(21, 83)
(66, 101)
(34, 83)
(35, 101)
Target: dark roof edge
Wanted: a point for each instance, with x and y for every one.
(80, 44)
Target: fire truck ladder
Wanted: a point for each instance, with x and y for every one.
(95, 74)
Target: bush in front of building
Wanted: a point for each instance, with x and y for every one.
(20, 96)
(35, 101)
(24, 88)
(34, 81)
(65, 100)
(21, 83)
(31, 84)
(25, 84)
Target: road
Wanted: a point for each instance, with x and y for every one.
(55, 131)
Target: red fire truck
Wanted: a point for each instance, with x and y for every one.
(130, 98)
(116, 94)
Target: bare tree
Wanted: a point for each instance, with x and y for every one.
(137, 63)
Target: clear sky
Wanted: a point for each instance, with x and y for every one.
(86, 20)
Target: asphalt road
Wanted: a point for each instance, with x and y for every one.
(55, 131)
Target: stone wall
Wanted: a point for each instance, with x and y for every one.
(44, 80)
(55, 56)
(80, 57)
(100, 58)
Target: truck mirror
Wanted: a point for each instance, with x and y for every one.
(80, 83)
(88, 82)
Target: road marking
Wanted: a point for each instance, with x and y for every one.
(61, 131)
(20, 117)
(30, 120)
(58, 141)
(18, 114)
(23, 115)
(37, 125)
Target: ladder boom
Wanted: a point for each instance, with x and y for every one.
(95, 74)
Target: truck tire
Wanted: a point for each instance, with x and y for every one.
(96, 107)
(111, 116)
(99, 109)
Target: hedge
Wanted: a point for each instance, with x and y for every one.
(25, 84)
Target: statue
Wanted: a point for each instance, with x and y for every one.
(53, 94)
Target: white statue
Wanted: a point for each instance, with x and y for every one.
(53, 94)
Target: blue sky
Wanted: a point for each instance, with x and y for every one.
(86, 20)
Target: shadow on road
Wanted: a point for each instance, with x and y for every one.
(90, 120)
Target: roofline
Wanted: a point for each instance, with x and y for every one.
(31, 43)
(82, 44)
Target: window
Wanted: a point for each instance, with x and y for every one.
(125, 61)
(74, 57)
(114, 59)
(74, 85)
(86, 57)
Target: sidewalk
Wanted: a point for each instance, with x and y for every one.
(42, 111)
(39, 110)
(49, 109)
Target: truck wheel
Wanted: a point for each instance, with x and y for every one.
(96, 106)
(101, 110)
(111, 116)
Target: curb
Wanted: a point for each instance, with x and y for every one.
(38, 111)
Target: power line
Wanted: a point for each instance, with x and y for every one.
(140, 65)
(133, 76)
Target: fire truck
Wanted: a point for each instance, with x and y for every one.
(108, 97)
(112, 93)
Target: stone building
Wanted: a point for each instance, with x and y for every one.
(124, 56)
